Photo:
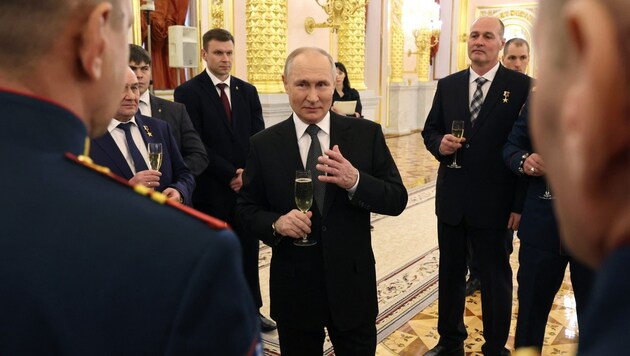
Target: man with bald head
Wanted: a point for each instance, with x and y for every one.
(87, 265)
(580, 125)
(476, 200)
(331, 284)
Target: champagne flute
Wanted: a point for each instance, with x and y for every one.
(457, 130)
(155, 155)
(547, 194)
(304, 199)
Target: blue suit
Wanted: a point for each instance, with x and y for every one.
(542, 260)
(175, 174)
(89, 267)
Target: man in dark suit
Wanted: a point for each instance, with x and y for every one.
(114, 150)
(542, 259)
(87, 265)
(580, 126)
(175, 114)
(226, 112)
(476, 202)
(331, 284)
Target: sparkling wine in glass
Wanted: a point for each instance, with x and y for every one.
(457, 130)
(155, 155)
(304, 199)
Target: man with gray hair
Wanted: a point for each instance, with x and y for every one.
(88, 264)
(331, 284)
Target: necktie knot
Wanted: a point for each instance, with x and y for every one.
(125, 126)
(222, 86)
(481, 81)
(312, 130)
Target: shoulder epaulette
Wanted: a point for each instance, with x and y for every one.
(158, 197)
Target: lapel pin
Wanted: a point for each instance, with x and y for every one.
(506, 96)
(146, 129)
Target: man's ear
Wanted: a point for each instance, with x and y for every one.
(94, 41)
(593, 112)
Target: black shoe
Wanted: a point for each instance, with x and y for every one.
(266, 324)
(472, 285)
(441, 350)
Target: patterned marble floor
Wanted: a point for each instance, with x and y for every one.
(418, 335)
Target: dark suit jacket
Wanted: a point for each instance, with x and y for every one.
(227, 143)
(538, 223)
(605, 330)
(175, 174)
(89, 267)
(482, 192)
(187, 138)
(337, 274)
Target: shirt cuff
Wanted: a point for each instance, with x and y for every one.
(354, 187)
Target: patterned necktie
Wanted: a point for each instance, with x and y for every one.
(225, 101)
(314, 151)
(477, 100)
(136, 156)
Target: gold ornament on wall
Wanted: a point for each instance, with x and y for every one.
(217, 13)
(422, 19)
(338, 12)
(397, 43)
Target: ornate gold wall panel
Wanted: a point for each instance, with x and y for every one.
(397, 44)
(351, 46)
(266, 28)
(217, 14)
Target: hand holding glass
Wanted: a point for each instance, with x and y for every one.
(303, 199)
(457, 130)
(155, 155)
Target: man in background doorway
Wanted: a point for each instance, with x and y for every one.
(516, 55)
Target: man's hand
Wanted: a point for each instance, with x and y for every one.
(534, 165)
(148, 178)
(172, 194)
(514, 221)
(294, 224)
(450, 144)
(237, 182)
(338, 170)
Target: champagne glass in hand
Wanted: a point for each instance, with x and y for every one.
(457, 130)
(304, 199)
(155, 155)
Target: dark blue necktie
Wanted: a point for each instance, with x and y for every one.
(136, 156)
(314, 151)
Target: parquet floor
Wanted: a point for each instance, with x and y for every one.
(418, 335)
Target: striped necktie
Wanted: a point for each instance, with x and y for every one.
(477, 100)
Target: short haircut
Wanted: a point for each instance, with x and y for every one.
(24, 42)
(298, 51)
(217, 34)
(138, 54)
(517, 42)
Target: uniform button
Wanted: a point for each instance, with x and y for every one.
(324, 228)
(467, 145)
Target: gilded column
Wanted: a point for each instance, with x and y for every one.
(217, 14)
(351, 44)
(397, 44)
(266, 27)
(423, 42)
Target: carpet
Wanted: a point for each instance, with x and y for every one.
(406, 252)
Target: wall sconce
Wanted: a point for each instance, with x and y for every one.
(422, 19)
(337, 11)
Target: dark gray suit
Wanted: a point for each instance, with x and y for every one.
(187, 138)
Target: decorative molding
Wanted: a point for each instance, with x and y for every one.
(266, 28)
(351, 46)
(397, 38)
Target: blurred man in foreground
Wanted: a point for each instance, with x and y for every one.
(87, 265)
(581, 126)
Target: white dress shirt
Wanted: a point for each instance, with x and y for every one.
(216, 81)
(472, 86)
(121, 141)
(145, 104)
(304, 142)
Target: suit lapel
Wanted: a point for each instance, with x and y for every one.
(462, 88)
(286, 143)
(215, 99)
(338, 136)
(491, 100)
(156, 108)
(107, 144)
(145, 130)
